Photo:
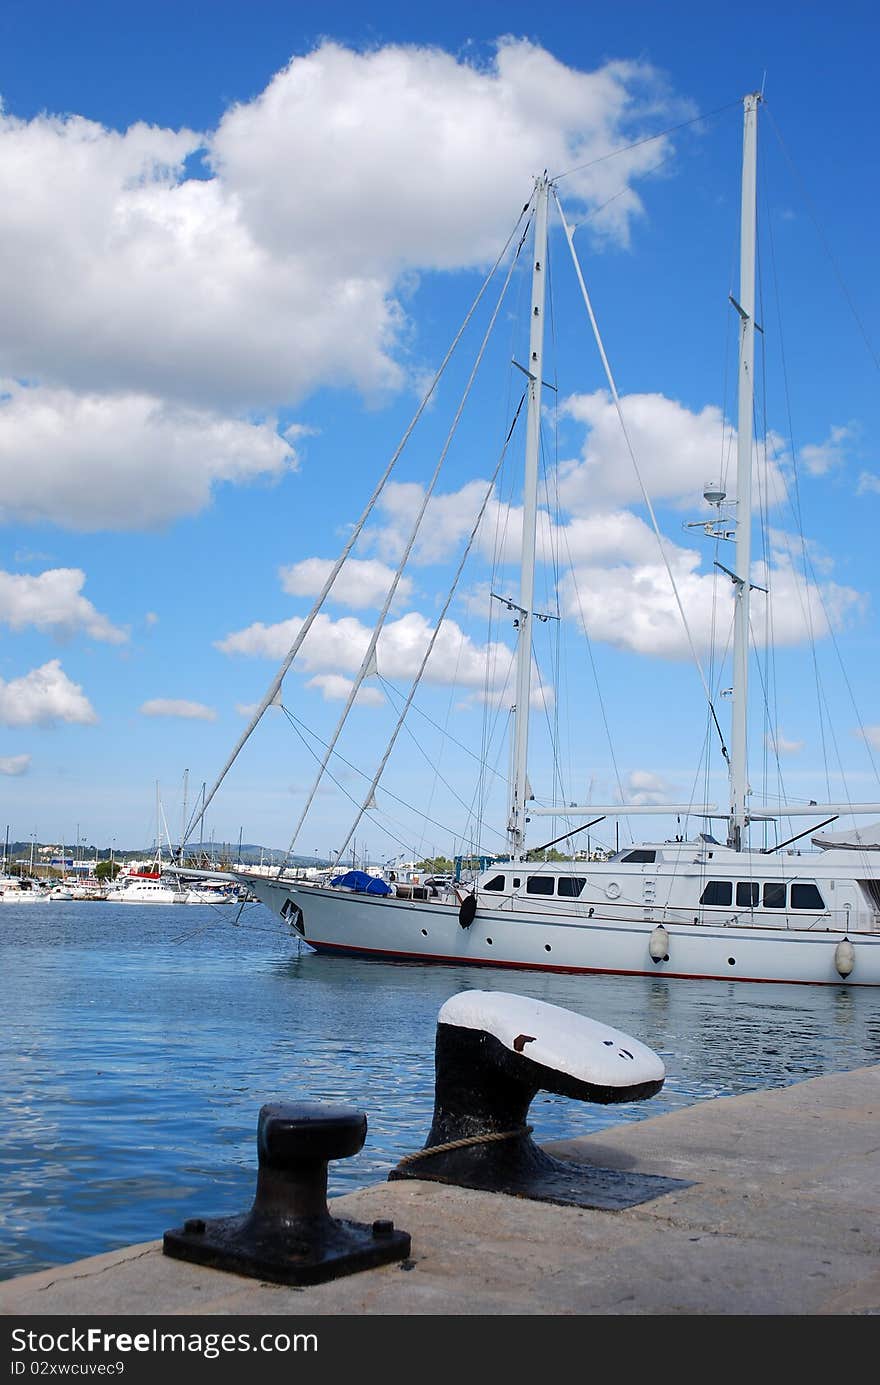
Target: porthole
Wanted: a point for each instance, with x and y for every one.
(731, 961)
(424, 932)
(547, 947)
(489, 941)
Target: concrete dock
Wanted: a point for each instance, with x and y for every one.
(781, 1217)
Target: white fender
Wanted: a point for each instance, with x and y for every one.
(844, 957)
(659, 943)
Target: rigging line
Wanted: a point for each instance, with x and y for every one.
(650, 508)
(274, 687)
(820, 233)
(648, 139)
(299, 729)
(594, 211)
(599, 696)
(370, 655)
(797, 505)
(393, 693)
(436, 631)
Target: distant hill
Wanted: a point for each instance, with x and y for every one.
(251, 854)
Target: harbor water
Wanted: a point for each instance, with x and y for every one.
(139, 1042)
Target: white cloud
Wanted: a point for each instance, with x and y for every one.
(129, 461)
(335, 646)
(52, 602)
(871, 734)
(402, 126)
(177, 707)
(43, 696)
(15, 764)
(145, 307)
(361, 582)
(831, 455)
(335, 688)
(677, 450)
(781, 746)
(633, 606)
(641, 787)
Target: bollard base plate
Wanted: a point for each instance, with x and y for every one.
(566, 1184)
(300, 1255)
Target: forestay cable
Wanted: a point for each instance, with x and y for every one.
(274, 688)
(368, 663)
(569, 235)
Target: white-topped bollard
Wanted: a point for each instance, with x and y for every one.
(494, 1052)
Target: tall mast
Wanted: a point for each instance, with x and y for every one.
(516, 828)
(739, 775)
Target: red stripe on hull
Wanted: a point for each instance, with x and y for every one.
(379, 954)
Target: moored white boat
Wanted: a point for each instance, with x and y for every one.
(684, 908)
(143, 889)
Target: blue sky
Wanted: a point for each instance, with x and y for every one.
(234, 244)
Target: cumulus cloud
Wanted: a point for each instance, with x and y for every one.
(335, 688)
(15, 764)
(42, 697)
(52, 602)
(147, 309)
(642, 788)
(361, 582)
(830, 455)
(401, 126)
(90, 461)
(177, 707)
(677, 450)
(781, 746)
(334, 646)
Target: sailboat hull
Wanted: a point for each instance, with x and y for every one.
(342, 922)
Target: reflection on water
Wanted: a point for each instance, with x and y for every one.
(139, 1044)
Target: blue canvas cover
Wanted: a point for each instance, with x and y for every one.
(359, 880)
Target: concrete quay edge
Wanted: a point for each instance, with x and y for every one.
(781, 1217)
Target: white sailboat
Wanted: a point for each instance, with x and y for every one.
(153, 886)
(689, 909)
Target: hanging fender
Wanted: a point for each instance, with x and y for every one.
(844, 957)
(467, 910)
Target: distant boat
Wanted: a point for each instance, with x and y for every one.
(15, 891)
(207, 894)
(148, 889)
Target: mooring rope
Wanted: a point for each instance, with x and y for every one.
(461, 1144)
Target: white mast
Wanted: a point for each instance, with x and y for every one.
(739, 775)
(516, 828)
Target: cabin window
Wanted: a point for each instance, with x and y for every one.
(717, 892)
(747, 892)
(640, 857)
(496, 883)
(806, 897)
(540, 884)
(570, 886)
(774, 896)
(516, 882)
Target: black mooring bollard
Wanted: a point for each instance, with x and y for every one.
(494, 1052)
(289, 1236)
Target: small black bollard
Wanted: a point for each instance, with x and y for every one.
(289, 1236)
